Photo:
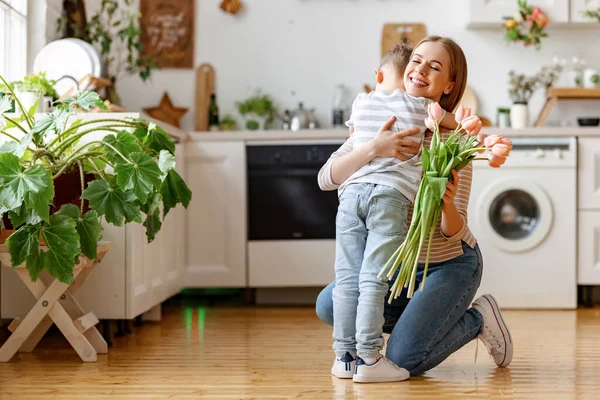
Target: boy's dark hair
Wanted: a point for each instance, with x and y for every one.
(398, 56)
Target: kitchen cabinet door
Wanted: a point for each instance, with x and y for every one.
(216, 216)
(485, 12)
(578, 7)
(588, 173)
(588, 265)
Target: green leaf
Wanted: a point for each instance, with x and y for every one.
(124, 142)
(166, 162)
(174, 191)
(110, 201)
(51, 124)
(8, 147)
(23, 216)
(85, 100)
(152, 222)
(93, 165)
(5, 104)
(34, 186)
(155, 138)
(23, 144)
(142, 175)
(438, 186)
(23, 243)
(61, 237)
(89, 228)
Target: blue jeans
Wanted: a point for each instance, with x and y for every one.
(370, 225)
(437, 321)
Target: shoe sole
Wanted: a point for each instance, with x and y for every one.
(508, 345)
(342, 376)
(374, 379)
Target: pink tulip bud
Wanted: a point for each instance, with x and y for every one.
(435, 112)
(501, 150)
(506, 141)
(496, 161)
(461, 114)
(430, 123)
(491, 140)
(472, 125)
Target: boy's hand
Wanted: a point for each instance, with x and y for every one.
(393, 144)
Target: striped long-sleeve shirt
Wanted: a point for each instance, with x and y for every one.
(443, 248)
(369, 112)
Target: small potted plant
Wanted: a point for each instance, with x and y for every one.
(257, 111)
(527, 26)
(520, 90)
(57, 179)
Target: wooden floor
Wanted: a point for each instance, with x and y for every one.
(200, 352)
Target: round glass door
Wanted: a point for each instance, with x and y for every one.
(514, 214)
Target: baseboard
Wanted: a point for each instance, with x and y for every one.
(287, 296)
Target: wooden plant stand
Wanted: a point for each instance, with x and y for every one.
(56, 304)
(556, 94)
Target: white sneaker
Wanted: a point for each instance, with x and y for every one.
(495, 334)
(382, 370)
(343, 367)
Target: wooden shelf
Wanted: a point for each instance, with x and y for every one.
(556, 94)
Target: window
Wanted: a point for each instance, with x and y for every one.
(13, 39)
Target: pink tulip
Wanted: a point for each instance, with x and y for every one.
(491, 140)
(435, 112)
(461, 114)
(430, 123)
(496, 161)
(481, 138)
(472, 125)
(501, 150)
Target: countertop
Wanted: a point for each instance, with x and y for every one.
(341, 134)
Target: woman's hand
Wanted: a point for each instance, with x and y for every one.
(451, 189)
(393, 144)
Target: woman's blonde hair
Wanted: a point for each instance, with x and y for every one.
(458, 71)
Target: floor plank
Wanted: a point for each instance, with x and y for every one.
(200, 352)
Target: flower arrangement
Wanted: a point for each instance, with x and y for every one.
(521, 87)
(527, 25)
(594, 14)
(438, 161)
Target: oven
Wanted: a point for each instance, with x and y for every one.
(291, 221)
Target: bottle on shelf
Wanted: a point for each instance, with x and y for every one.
(287, 120)
(338, 106)
(213, 114)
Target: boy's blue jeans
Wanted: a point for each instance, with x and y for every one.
(370, 225)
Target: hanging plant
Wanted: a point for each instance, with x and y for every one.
(527, 26)
(595, 14)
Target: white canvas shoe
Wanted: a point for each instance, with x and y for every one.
(495, 333)
(343, 367)
(382, 370)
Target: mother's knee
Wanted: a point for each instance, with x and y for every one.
(408, 355)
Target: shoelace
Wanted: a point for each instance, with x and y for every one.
(489, 340)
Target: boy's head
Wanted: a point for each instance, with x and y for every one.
(390, 74)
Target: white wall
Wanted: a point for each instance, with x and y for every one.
(297, 50)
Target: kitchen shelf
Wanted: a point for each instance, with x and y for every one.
(551, 26)
(556, 94)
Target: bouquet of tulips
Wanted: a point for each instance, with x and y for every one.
(438, 161)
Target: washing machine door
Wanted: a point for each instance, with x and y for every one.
(516, 215)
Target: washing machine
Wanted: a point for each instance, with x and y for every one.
(524, 216)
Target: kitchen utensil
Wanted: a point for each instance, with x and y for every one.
(392, 34)
(300, 118)
(72, 57)
(588, 121)
(205, 86)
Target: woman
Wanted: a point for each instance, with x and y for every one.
(439, 320)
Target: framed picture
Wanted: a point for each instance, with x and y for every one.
(168, 27)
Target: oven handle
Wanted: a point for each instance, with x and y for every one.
(284, 172)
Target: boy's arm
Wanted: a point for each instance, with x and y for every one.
(448, 121)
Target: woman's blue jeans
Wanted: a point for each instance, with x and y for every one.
(437, 321)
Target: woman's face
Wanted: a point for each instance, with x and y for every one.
(428, 72)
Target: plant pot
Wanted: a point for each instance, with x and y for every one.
(519, 116)
(591, 78)
(255, 122)
(67, 190)
(28, 100)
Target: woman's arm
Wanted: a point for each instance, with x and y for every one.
(455, 204)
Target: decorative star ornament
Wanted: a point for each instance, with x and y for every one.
(166, 111)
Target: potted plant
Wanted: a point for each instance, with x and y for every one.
(257, 110)
(37, 87)
(57, 181)
(527, 26)
(521, 88)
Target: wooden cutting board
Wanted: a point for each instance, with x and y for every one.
(392, 34)
(205, 86)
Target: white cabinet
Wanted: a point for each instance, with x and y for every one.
(589, 174)
(487, 12)
(588, 265)
(216, 228)
(578, 7)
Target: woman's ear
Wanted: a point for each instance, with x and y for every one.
(449, 88)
